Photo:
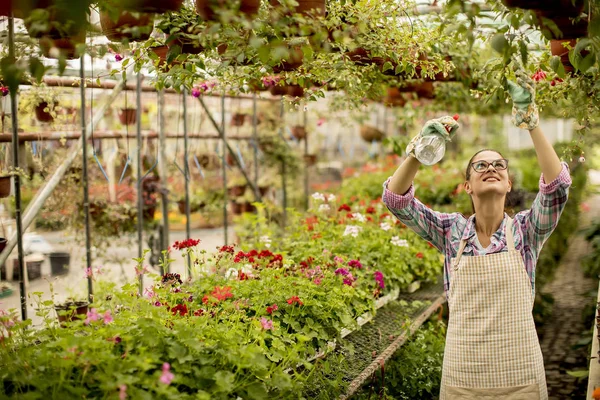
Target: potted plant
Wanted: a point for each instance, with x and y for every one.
(42, 101)
(6, 289)
(152, 6)
(70, 309)
(371, 134)
(236, 185)
(209, 9)
(299, 132)
(183, 30)
(118, 25)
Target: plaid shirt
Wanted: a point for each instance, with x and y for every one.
(531, 228)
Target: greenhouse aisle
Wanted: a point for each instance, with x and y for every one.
(571, 291)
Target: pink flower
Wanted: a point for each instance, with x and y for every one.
(196, 92)
(107, 317)
(317, 280)
(539, 76)
(321, 121)
(92, 315)
(166, 376)
(338, 259)
(269, 81)
(342, 271)
(118, 57)
(149, 292)
(266, 323)
(89, 273)
(4, 90)
(157, 303)
(141, 271)
(355, 264)
(349, 280)
(122, 392)
(379, 279)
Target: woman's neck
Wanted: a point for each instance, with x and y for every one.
(488, 217)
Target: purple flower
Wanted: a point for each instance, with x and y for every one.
(196, 92)
(355, 264)
(4, 90)
(269, 81)
(118, 57)
(157, 303)
(191, 298)
(166, 376)
(342, 271)
(379, 278)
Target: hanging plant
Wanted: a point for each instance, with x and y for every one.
(209, 10)
(299, 132)
(132, 26)
(306, 7)
(5, 186)
(371, 134)
(128, 116)
(41, 101)
(152, 6)
(58, 48)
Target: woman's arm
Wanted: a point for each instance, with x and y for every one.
(546, 155)
(404, 176)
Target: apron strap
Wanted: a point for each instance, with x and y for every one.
(463, 243)
(510, 241)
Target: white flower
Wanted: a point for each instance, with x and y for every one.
(331, 198)
(385, 226)
(231, 273)
(396, 241)
(359, 217)
(247, 269)
(352, 230)
(266, 240)
(318, 196)
(324, 208)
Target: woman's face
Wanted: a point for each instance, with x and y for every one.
(491, 181)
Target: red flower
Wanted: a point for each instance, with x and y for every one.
(419, 255)
(539, 76)
(349, 215)
(180, 309)
(294, 300)
(370, 210)
(227, 249)
(242, 276)
(271, 309)
(222, 293)
(198, 312)
(344, 207)
(355, 264)
(316, 236)
(205, 299)
(265, 253)
(311, 222)
(382, 216)
(186, 243)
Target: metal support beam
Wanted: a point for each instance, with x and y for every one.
(74, 135)
(140, 193)
(306, 188)
(221, 131)
(86, 193)
(186, 180)
(283, 172)
(255, 139)
(163, 171)
(17, 182)
(224, 169)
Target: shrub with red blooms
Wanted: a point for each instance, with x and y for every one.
(344, 207)
(186, 244)
(180, 309)
(271, 309)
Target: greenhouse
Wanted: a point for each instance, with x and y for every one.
(300, 199)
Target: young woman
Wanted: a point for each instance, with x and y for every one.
(492, 349)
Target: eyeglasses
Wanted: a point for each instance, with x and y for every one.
(482, 166)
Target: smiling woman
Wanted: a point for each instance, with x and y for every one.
(492, 347)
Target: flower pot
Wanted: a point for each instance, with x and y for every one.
(61, 47)
(33, 265)
(359, 56)
(152, 6)
(278, 90)
(236, 191)
(425, 90)
(394, 98)
(41, 114)
(67, 312)
(295, 91)
(306, 7)
(292, 62)
(236, 208)
(209, 162)
(371, 134)
(310, 159)
(193, 207)
(525, 4)
(135, 28)
(148, 212)
(5, 187)
(185, 47)
(128, 116)
(557, 49)
(59, 263)
(208, 9)
(248, 207)
(263, 190)
(299, 132)
(238, 119)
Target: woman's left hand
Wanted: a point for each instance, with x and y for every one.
(525, 113)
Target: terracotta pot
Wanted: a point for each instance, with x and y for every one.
(61, 47)
(238, 119)
(161, 52)
(248, 207)
(394, 98)
(152, 6)
(208, 9)
(299, 132)
(236, 191)
(193, 207)
(72, 310)
(359, 56)
(525, 4)
(185, 48)
(557, 49)
(560, 8)
(425, 90)
(306, 7)
(236, 208)
(310, 159)
(128, 116)
(295, 91)
(263, 190)
(118, 30)
(292, 62)
(5, 186)
(278, 90)
(371, 134)
(42, 115)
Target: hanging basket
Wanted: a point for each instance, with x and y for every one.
(41, 114)
(236, 208)
(61, 47)
(236, 190)
(135, 28)
(238, 119)
(371, 134)
(5, 186)
(310, 159)
(295, 91)
(208, 9)
(185, 47)
(128, 116)
(299, 132)
(394, 98)
(292, 62)
(306, 7)
(278, 90)
(152, 6)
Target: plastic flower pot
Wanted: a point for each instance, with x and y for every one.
(236, 191)
(152, 6)
(34, 269)
(557, 49)
(135, 28)
(278, 90)
(41, 114)
(59, 263)
(208, 9)
(5, 187)
(248, 207)
(371, 134)
(67, 312)
(128, 116)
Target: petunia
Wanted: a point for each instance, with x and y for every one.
(167, 376)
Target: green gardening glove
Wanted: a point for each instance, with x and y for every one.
(525, 113)
(444, 126)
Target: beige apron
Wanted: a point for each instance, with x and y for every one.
(492, 349)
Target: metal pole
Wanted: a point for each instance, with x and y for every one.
(162, 168)
(283, 177)
(42, 195)
(305, 162)
(224, 167)
(186, 172)
(228, 148)
(86, 192)
(140, 194)
(255, 139)
(17, 179)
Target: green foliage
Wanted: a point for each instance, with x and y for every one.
(591, 263)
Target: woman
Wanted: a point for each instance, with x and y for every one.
(492, 349)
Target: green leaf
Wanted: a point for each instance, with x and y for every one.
(578, 374)
(224, 380)
(554, 63)
(582, 44)
(523, 51)
(387, 66)
(499, 43)
(587, 62)
(257, 390)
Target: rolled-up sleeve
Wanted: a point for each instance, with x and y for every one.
(430, 225)
(546, 209)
